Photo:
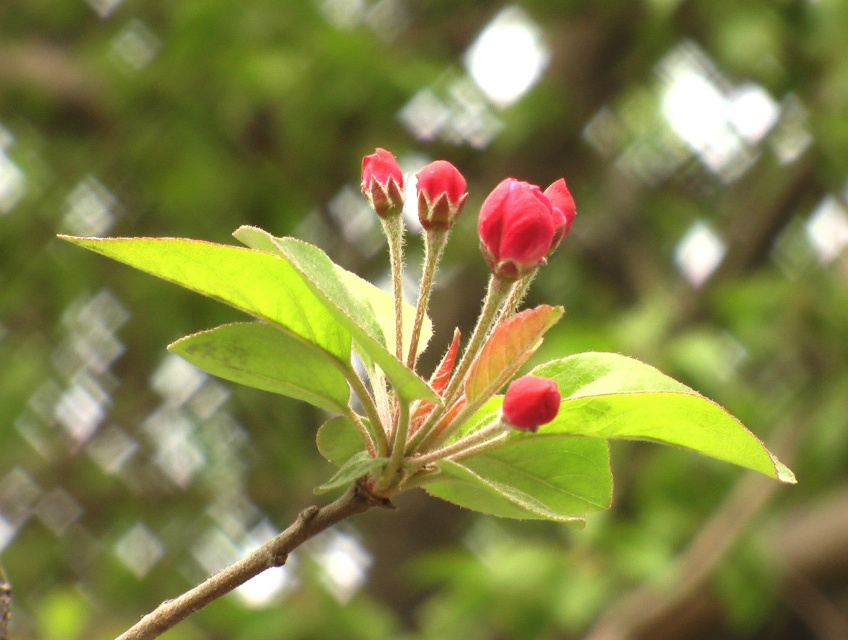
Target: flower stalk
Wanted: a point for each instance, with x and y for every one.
(496, 293)
(495, 430)
(434, 245)
(393, 227)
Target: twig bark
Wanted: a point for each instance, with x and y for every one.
(5, 606)
(273, 553)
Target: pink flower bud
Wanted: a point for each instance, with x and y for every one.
(564, 210)
(382, 182)
(441, 195)
(516, 228)
(531, 402)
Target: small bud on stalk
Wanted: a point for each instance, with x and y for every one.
(516, 228)
(531, 402)
(382, 182)
(441, 195)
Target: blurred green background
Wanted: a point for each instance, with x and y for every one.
(706, 144)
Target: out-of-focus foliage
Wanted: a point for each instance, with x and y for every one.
(705, 143)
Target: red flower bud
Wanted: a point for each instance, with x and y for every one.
(564, 210)
(516, 228)
(441, 195)
(382, 182)
(531, 402)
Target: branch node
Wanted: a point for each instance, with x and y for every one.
(307, 514)
(363, 492)
(280, 559)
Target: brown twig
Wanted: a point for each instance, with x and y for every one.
(5, 605)
(273, 553)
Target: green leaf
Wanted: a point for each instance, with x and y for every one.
(262, 285)
(483, 416)
(592, 373)
(339, 440)
(507, 349)
(533, 477)
(355, 467)
(351, 301)
(612, 396)
(261, 356)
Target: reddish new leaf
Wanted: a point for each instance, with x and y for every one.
(507, 349)
(442, 374)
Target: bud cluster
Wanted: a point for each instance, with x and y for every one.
(519, 227)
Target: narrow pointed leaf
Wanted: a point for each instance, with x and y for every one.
(338, 440)
(536, 477)
(355, 467)
(261, 356)
(355, 303)
(262, 285)
(442, 374)
(612, 396)
(507, 349)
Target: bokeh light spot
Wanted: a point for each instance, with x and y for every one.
(699, 253)
(139, 549)
(827, 229)
(508, 57)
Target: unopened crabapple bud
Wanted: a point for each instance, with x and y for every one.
(516, 228)
(382, 182)
(441, 195)
(530, 402)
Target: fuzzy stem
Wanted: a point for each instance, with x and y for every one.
(398, 446)
(377, 434)
(393, 227)
(435, 440)
(273, 553)
(483, 447)
(461, 446)
(516, 296)
(434, 244)
(497, 290)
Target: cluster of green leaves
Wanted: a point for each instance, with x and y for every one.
(313, 315)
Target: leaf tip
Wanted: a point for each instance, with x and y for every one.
(784, 473)
(575, 523)
(246, 227)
